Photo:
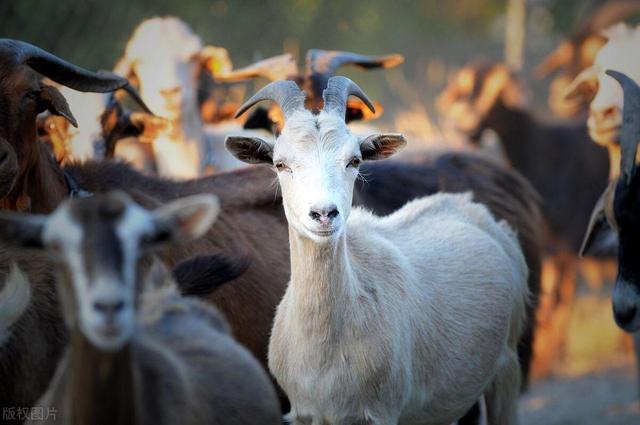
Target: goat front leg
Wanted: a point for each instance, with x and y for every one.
(502, 397)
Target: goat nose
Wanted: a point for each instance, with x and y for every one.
(606, 114)
(109, 308)
(324, 214)
(625, 316)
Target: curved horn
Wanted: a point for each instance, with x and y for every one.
(328, 61)
(320, 65)
(61, 71)
(630, 133)
(286, 94)
(281, 67)
(133, 93)
(338, 91)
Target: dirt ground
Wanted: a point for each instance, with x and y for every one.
(605, 397)
(596, 383)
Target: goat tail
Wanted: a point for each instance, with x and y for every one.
(14, 299)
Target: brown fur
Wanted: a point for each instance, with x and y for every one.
(28, 359)
(182, 366)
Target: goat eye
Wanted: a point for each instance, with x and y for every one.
(281, 166)
(355, 162)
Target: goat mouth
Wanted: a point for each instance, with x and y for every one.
(109, 331)
(605, 135)
(324, 233)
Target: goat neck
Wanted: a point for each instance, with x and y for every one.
(514, 127)
(322, 283)
(40, 188)
(183, 153)
(103, 386)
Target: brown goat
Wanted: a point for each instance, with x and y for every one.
(139, 352)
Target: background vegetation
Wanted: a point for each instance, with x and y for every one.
(434, 35)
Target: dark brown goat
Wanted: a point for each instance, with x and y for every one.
(566, 169)
(139, 353)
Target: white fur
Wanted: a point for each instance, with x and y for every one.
(168, 85)
(168, 78)
(14, 300)
(405, 319)
(620, 53)
(87, 109)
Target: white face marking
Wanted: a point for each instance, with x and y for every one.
(619, 54)
(318, 176)
(167, 74)
(105, 301)
(88, 109)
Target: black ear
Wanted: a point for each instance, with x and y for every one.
(380, 146)
(53, 101)
(251, 150)
(202, 275)
(22, 230)
(599, 219)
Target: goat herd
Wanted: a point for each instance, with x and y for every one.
(141, 285)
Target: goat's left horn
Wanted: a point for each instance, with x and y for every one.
(338, 91)
(286, 94)
(630, 133)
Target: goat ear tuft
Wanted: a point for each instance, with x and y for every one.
(22, 230)
(381, 146)
(185, 218)
(53, 101)
(252, 150)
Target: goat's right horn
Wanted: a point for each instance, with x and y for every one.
(338, 91)
(286, 94)
(630, 133)
(60, 70)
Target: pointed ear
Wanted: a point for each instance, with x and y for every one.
(22, 230)
(185, 218)
(148, 127)
(215, 60)
(380, 146)
(600, 218)
(252, 150)
(53, 101)
(584, 85)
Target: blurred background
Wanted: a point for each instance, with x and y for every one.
(592, 379)
(434, 36)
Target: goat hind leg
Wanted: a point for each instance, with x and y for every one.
(502, 396)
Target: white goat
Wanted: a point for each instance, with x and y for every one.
(168, 82)
(605, 110)
(405, 319)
